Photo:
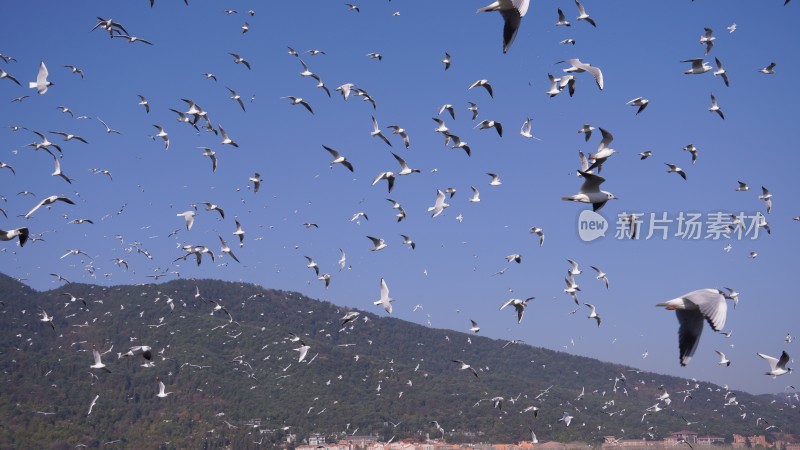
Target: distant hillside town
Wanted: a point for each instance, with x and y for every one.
(683, 438)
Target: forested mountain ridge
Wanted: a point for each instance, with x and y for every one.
(226, 352)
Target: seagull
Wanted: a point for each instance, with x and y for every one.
(491, 124)
(400, 131)
(303, 350)
(342, 261)
(385, 300)
(446, 60)
(698, 66)
(640, 102)
(57, 172)
(601, 275)
(74, 69)
(48, 201)
(299, 101)
(108, 129)
(474, 108)
(582, 14)
(587, 131)
(4, 74)
(590, 192)
(211, 155)
(188, 216)
(519, 305)
(693, 150)
(525, 130)
(75, 252)
(245, 27)
(593, 313)
(238, 59)
(562, 19)
(256, 179)
(312, 265)
(645, 154)
(722, 358)
(721, 71)
(732, 28)
(7, 166)
(568, 41)
(374, 55)
(439, 205)
(376, 131)
(474, 328)
(143, 102)
(377, 243)
(212, 207)
(767, 197)
(352, 7)
(566, 418)
(41, 84)
(777, 366)
(163, 135)
(715, 107)
(20, 233)
(132, 39)
(516, 257)
(225, 139)
(388, 176)
(691, 310)
(338, 159)
(236, 97)
(449, 108)
(161, 388)
(512, 11)
(742, 186)
(578, 66)
(48, 319)
(404, 169)
(465, 366)
(476, 196)
(676, 169)
(210, 76)
(91, 406)
(708, 40)
(345, 89)
(98, 364)
(484, 84)
(539, 232)
(458, 143)
(495, 179)
(769, 70)
(350, 316)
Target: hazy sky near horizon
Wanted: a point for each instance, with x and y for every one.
(452, 272)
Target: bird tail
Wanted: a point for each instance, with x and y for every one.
(32, 85)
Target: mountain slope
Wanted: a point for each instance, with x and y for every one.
(369, 375)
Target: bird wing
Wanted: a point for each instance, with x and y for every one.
(773, 362)
(691, 327)
(712, 306)
(592, 183)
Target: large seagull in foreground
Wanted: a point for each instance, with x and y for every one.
(513, 11)
(692, 309)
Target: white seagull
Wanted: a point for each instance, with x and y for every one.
(692, 309)
(385, 300)
(161, 389)
(777, 366)
(41, 84)
(439, 205)
(590, 192)
(512, 11)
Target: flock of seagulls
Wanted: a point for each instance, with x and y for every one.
(692, 309)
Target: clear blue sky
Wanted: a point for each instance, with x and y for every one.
(638, 45)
